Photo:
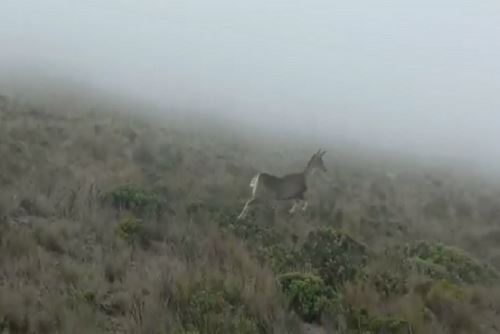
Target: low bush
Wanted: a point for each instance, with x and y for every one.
(362, 322)
(211, 309)
(459, 266)
(140, 201)
(390, 284)
(334, 255)
(449, 303)
(308, 295)
(129, 229)
(280, 258)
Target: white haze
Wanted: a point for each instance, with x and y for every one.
(420, 77)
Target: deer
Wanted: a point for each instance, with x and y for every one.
(268, 187)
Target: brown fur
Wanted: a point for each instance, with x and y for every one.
(288, 187)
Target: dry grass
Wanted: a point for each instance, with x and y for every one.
(64, 267)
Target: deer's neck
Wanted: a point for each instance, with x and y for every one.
(308, 172)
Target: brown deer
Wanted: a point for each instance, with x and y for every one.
(267, 187)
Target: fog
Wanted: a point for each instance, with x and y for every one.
(420, 77)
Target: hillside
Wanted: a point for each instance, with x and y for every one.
(114, 222)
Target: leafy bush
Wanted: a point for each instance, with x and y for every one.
(280, 258)
(442, 288)
(137, 200)
(428, 269)
(449, 303)
(361, 321)
(208, 309)
(129, 229)
(390, 283)
(264, 241)
(249, 230)
(334, 255)
(308, 295)
(460, 266)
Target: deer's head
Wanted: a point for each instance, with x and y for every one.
(316, 162)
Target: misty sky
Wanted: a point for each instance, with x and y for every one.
(420, 76)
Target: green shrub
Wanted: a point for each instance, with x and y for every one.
(256, 235)
(129, 229)
(450, 304)
(141, 202)
(444, 289)
(264, 241)
(361, 321)
(429, 269)
(390, 283)
(460, 266)
(209, 310)
(334, 255)
(279, 258)
(206, 308)
(225, 216)
(308, 295)
(389, 325)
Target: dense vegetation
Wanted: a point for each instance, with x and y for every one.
(111, 222)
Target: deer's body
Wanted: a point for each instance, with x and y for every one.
(281, 188)
(268, 187)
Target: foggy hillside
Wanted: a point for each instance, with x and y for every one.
(117, 222)
(130, 132)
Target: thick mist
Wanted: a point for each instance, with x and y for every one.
(414, 77)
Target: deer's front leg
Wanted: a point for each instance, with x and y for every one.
(294, 207)
(246, 208)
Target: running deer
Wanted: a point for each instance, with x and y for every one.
(267, 187)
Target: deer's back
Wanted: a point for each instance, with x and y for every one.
(285, 187)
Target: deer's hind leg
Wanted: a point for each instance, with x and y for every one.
(248, 203)
(300, 199)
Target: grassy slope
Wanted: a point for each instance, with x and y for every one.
(71, 262)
